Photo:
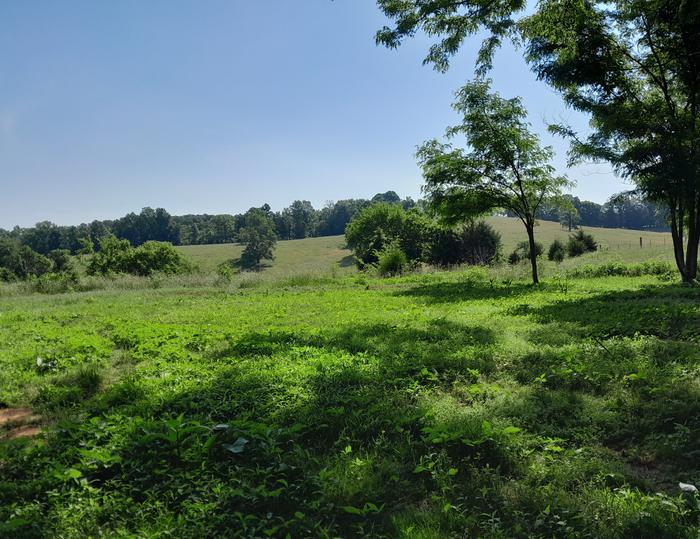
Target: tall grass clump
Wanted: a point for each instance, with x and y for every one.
(392, 261)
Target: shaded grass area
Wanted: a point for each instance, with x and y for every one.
(445, 405)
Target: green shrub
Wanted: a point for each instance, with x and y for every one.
(61, 260)
(392, 261)
(113, 257)
(557, 251)
(580, 243)
(118, 256)
(473, 243)
(627, 270)
(20, 261)
(156, 256)
(380, 224)
(522, 252)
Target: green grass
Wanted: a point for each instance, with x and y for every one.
(452, 404)
(311, 255)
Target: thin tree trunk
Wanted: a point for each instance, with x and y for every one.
(677, 237)
(691, 251)
(533, 251)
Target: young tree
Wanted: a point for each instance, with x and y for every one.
(504, 165)
(259, 237)
(633, 65)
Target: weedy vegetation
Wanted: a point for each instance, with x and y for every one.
(432, 404)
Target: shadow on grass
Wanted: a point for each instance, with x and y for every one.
(455, 292)
(668, 312)
(316, 434)
(347, 261)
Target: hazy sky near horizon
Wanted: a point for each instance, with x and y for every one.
(215, 106)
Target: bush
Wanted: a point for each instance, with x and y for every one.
(474, 243)
(627, 270)
(557, 251)
(20, 261)
(61, 260)
(118, 256)
(113, 257)
(580, 243)
(156, 256)
(380, 224)
(392, 261)
(522, 252)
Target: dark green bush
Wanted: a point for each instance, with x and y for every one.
(522, 252)
(380, 224)
(557, 251)
(473, 243)
(20, 261)
(580, 243)
(61, 260)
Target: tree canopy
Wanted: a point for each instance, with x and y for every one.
(503, 166)
(633, 65)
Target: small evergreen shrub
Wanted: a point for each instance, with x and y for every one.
(557, 251)
(580, 243)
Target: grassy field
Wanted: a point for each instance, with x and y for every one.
(321, 256)
(311, 255)
(452, 404)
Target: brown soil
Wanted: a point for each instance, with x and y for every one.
(16, 423)
(15, 415)
(27, 431)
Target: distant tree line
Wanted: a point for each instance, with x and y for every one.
(297, 221)
(624, 210)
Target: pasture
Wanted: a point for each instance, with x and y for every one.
(444, 404)
(329, 256)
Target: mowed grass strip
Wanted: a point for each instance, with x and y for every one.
(450, 404)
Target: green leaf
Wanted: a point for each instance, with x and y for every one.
(511, 430)
(238, 446)
(352, 510)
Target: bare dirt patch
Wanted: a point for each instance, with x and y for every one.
(27, 431)
(16, 423)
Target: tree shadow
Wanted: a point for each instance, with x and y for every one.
(667, 312)
(347, 261)
(466, 290)
(440, 344)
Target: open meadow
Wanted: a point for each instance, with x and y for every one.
(329, 255)
(465, 403)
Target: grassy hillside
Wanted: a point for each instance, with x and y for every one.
(443, 405)
(310, 255)
(323, 255)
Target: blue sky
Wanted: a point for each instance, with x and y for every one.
(214, 106)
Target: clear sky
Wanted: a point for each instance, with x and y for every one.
(213, 106)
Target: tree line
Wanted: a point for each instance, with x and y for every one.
(301, 220)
